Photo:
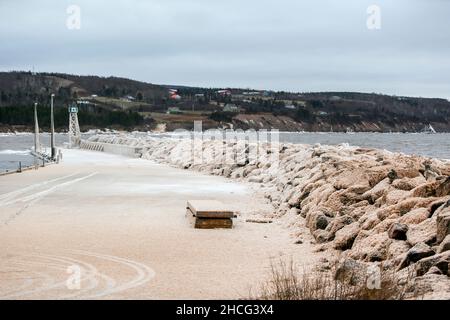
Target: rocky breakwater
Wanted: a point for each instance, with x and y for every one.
(364, 206)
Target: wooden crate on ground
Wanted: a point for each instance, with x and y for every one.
(210, 214)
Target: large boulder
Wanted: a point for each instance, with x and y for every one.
(350, 271)
(345, 237)
(415, 216)
(388, 212)
(416, 253)
(407, 184)
(397, 249)
(349, 178)
(443, 222)
(377, 191)
(432, 287)
(438, 204)
(350, 196)
(444, 188)
(398, 231)
(334, 201)
(419, 251)
(425, 190)
(440, 261)
(445, 245)
(384, 225)
(423, 232)
(438, 188)
(322, 236)
(317, 220)
(357, 210)
(338, 223)
(405, 206)
(370, 247)
(369, 220)
(377, 174)
(395, 196)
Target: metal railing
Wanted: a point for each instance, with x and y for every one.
(123, 150)
(19, 167)
(40, 160)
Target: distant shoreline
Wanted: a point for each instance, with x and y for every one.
(428, 145)
(113, 131)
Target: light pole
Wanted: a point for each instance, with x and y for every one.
(36, 130)
(52, 128)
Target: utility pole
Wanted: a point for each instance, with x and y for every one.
(36, 130)
(52, 128)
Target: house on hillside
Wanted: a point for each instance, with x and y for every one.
(252, 93)
(230, 107)
(174, 110)
(335, 98)
(128, 98)
(224, 92)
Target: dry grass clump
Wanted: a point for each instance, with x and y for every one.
(286, 283)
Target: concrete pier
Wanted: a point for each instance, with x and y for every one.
(122, 223)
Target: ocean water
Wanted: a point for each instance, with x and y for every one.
(16, 148)
(429, 145)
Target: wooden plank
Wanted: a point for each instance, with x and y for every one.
(207, 223)
(211, 209)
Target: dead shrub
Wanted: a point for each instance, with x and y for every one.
(287, 283)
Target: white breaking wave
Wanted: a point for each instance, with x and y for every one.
(10, 134)
(18, 152)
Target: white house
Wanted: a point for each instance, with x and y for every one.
(230, 108)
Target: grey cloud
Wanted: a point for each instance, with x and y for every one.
(284, 45)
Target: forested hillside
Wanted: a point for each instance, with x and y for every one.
(129, 104)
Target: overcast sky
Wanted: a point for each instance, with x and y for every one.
(315, 45)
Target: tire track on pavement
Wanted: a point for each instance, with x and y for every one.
(43, 193)
(52, 272)
(31, 187)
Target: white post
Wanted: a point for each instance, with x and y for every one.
(36, 130)
(52, 129)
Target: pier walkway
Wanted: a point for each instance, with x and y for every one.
(103, 226)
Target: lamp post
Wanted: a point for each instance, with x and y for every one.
(52, 128)
(36, 129)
